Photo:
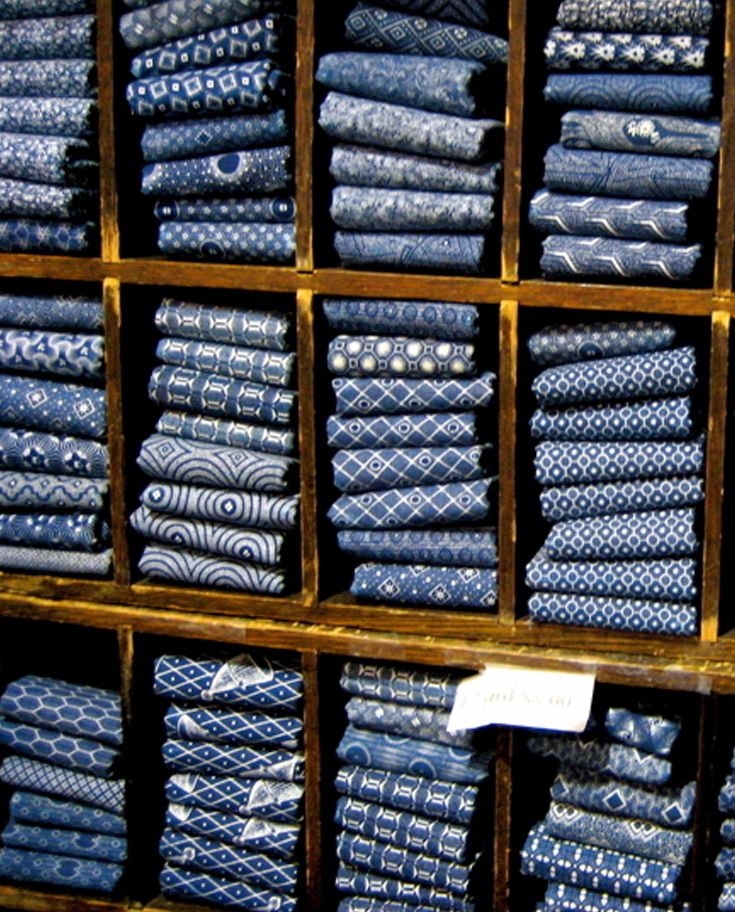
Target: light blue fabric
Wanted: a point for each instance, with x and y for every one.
(34, 490)
(462, 253)
(251, 833)
(63, 408)
(19, 235)
(65, 312)
(666, 16)
(221, 891)
(568, 462)
(255, 364)
(431, 430)
(237, 210)
(670, 94)
(217, 323)
(636, 615)
(48, 116)
(417, 584)
(245, 242)
(650, 419)
(262, 170)
(425, 723)
(47, 159)
(28, 807)
(27, 199)
(377, 209)
(471, 547)
(57, 563)
(388, 467)
(410, 686)
(66, 531)
(77, 844)
(32, 775)
(48, 78)
(33, 451)
(230, 433)
(59, 870)
(389, 396)
(603, 758)
(651, 733)
(180, 565)
(47, 38)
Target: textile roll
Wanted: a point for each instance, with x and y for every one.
(64, 408)
(40, 809)
(32, 775)
(243, 209)
(666, 16)
(566, 49)
(230, 433)
(388, 396)
(193, 885)
(381, 469)
(431, 430)
(669, 94)
(373, 209)
(25, 235)
(180, 565)
(599, 339)
(66, 531)
(413, 687)
(650, 419)
(71, 843)
(263, 170)
(44, 351)
(60, 870)
(215, 759)
(58, 563)
(443, 587)
(48, 116)
(462, 253)
(411, 318)
(636, 615)
(33, 451)
(242, 242)
(231, 325)
(35, 490)
(204, 723)
(471, 547)
(617, 460)
(266, 798)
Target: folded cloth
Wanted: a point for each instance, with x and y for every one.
(463, 253)
(430, 430)
(405, 129)
(410, 318)
(640, 376)
(457, 502)
(215, 323)
(565, 896)
(725, 864)
(651, 733)
(471, 547)
(32, 490)
(577, 50)
(230, 433)
(646, 220)
(246, 242)
(67, 531)
(198, 722)
(262, 170)
(59, 748)
(237, 507)
(21, 235)
(218, 396)
(622, 834)
(277, 839)
(425, 723)
(380, 469)
(578, 501)
(410, 686)
(439, 84)
(244, 680)
(47, 38)
(466, 12)
(205, 136)
(75, 843)
(49, 560)
(223, 759)
(377, 209)
(603, 758)
(397, 753)
(51, 312)
(726, 799)
(666, 93)
(48, 159)
(36, 200)
(187, 884)
(368, 884)
(173, 19)
(636, 615)
(237, 42)
(726, 901)
(48, 78)
(225, 860)
(379, 29)
(418, 584)
(389, 396)
(266, 210)
(27, 807)
(400, 356)
(403, 830)
(364, 167)
(425, 796)
(370, 855)
(563, 861)
(180, 565)
(666, 580)
(51, 352)
(367, 904)
(670, 17)
(727, 831)
(265, 798)
(23, 9)
(48, 116)
(59, 870)
(48, 405)
(39, 452)
(232, 361)
(667, 807)
(650, 419)
(589, 341)
(31, 775)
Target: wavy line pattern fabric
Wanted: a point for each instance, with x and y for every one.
(670, 94)
(180, 565)
(43, 351)
(34, 490)
(41, 452)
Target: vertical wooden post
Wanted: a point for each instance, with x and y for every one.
(507, 419)
(304, 117)
(313, 791)
(513, 141)
(307, 444)
(503, 796)
(723, 278)
(109, 224)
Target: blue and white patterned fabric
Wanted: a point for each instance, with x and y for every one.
(653, 135)
(389, 889)
(203, 723)
(651, 419)
(236, 210)
(635, 615)
(263, 170)
(180, 565)
(725, 863)
(378, 209)
(603, 758)
(76, 844)
(412, 318)
(21, 235)
(582, 50)
(57, 563)
(59, 870)
(379, 469)
(47, 78)
(726, 901)
(67, 531)
(216, 323)
(726, 799)
(255, 364)
(575, 463)
(38, 452)
(251, 833)
(465, 12)
(265, 798)
(416, 584)
(669, 17)
(598, 339)
(650, 733)
(670, 94)
(431, 430)
(219, 759)
(37, 200)
(399, 356)
(48, 779)
(368, 904)
(48, 159)
(410, 686)
(471, 547)
(389, 396)
(246, 242)
(564, 896)
(51, 312)
(58, 748)
(230, 433)
(426, 723)
(727, 831)
(34, 490)
(63, 408)
(23, 9)
(48, 116)
(461, 253)
(44, 38)
(186, 884)
(27, 807)
(44, 351)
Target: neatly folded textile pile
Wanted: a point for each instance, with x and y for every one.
(413, 826)
(622, 465)
(66, 822)
(725, 861)
(632, 158)
(219, 507)
(615, 836)
(49, 196)
(212, 81)
(233, 823)
(411, 462)
(53, 465)
(416, 165)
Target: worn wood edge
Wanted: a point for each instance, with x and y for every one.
(396, 285)
(109, 218)
(586, 296)
(49, 266)
(513, 153)
(507, 421)
(725, 238)
(27, 899)
(304, 117)
(152, 271)
(502, 864)
(307, 445)
(313, 781)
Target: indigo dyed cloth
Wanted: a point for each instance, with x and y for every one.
(67, 531)
(563, 861)
(646, 220)
(46, 351)
(56, 747)
(465, 12)
(266, 210)
(232, 361)
(230, 433)
(249, 832)
(471, 547)
(263, 170)
(410, 686)
(204, 723)
(378, 29)
(59, 870)
(383, 468)
(215, 323)
(457, 502)
(432, 430)
(727, 831)
(39, 452)
(368, 904)
(378, 209)
(265, 798)
(726, 902)
(377, 123)
(223, 860)
(38, 201)
(462, 253)
(245, 680)
(426, 723)
(47, 38)
(24, 9)
(393, 889)
(651, 733)
(726, 799)
(725, 863)
(362, 166)
(66, 842)
(48, 779)
(589, 341)
(636, 615)
(221, 759)
(220, 891)
(49, 560)
(564, 896)
(28, 807)
(51, 312)
(650, 419)
(669, 17)
(424, 796)
(627, 763)
(397, 753)
(48, 116)
(411, 318)
(669, 94)
(48, 78)
(577, 50)
(245, 242)
(389, 396)
(64, 408)
(445, 86)
(48, 159)
(399, 356)
(180, 565)
(33, 490)
(21, 235)
(617, 461)
(418, 584)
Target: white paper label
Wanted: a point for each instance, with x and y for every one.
(525, 697)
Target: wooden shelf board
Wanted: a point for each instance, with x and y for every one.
(584, 296)
(44, 266)
(394, 285)
(31, 899)
(155, 271)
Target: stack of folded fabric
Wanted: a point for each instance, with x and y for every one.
(615, 837)
(725, 861)
(66, 822)
(413, 826)
(622, 463)
(210, 78)
(48, 126)
(233, 822)
(53, 466)
(631, 161)
(219, 508)
(411, 463)
(416, 167)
